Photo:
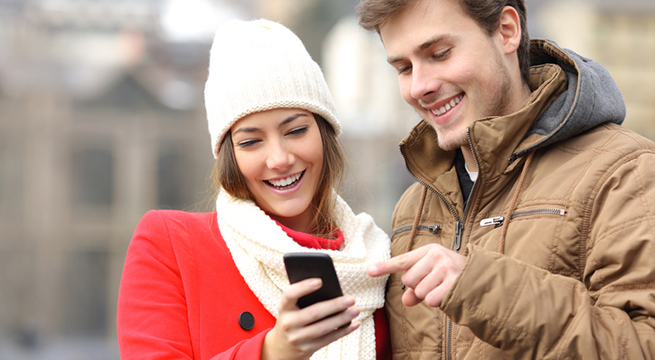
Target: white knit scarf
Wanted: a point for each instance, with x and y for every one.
(257, 244)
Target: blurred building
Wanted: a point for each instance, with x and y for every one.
(100, 121)
(620, 35)
(373, 115)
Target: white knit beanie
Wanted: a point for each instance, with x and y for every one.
(261, 65)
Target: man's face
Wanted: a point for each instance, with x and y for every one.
(449, 69)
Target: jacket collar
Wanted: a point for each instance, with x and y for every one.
(496, 140)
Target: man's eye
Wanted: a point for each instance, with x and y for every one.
(403, 69)
(441, 54)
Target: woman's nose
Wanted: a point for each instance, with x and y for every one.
(279, 157)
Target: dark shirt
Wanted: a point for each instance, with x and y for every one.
(465, 182)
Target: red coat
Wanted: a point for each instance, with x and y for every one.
(181, 295)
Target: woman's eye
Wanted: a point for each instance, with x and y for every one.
(247, 143)
(298, 131)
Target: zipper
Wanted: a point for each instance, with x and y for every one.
(552, 211)
(477, 164)
(459, 225)
(498, 220)
(459, 229)
(495, 221)
(449, 335)
(433, 229)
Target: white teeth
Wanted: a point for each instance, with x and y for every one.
(442, 110)
(286, 181)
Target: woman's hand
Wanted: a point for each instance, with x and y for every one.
(298, 333)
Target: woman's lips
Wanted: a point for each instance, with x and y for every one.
(286, 183)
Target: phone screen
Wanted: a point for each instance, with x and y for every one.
(303, 265)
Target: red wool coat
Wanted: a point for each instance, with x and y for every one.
(181, 295)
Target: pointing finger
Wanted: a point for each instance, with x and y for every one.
(395, 264)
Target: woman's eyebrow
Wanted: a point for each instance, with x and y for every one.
(254, 129)
(245, 129)
(291, 118)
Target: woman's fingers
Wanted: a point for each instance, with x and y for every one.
(298, 333)
(297, 290)
(336, 334)
(316, 311)
(323, 309)
(326, 330)
(330, 318)
(319, 320)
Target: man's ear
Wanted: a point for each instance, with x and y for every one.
(509, 29)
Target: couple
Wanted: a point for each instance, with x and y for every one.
(545, 234)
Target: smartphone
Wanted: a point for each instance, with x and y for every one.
(305, 265)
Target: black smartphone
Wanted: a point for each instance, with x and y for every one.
(305, 265)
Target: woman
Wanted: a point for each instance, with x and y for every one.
(213, 286)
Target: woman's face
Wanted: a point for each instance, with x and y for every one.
(280, 154)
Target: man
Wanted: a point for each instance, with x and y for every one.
(530, 233)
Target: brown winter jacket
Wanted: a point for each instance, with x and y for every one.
(564, 267)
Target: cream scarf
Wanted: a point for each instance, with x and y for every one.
(257, 244)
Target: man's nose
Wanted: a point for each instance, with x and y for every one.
(424, 83)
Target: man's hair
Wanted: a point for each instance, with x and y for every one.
(373, 14)
(228, 177)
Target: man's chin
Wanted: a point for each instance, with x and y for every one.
(453, 142)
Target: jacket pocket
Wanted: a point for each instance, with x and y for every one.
(544, 236)
(499, 220)
(433, 229)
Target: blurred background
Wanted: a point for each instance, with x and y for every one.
(102, 118)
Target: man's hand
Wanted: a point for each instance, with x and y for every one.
(430, 272)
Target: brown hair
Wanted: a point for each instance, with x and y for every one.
(486, 13)
(227, 176)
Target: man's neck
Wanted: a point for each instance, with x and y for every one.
(469, 159)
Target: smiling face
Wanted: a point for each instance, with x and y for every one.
(450, 70)
(280, 154)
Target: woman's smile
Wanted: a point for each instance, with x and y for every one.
(286, 183)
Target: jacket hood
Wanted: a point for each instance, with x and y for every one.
(591, 98)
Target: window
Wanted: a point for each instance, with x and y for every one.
(92, 177)
(171, 174)
(85, 292)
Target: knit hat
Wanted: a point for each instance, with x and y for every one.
(261, 65)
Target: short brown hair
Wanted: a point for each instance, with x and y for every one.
(228, 177)
(486, 13)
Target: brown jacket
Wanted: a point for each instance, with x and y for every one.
(566, 267)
